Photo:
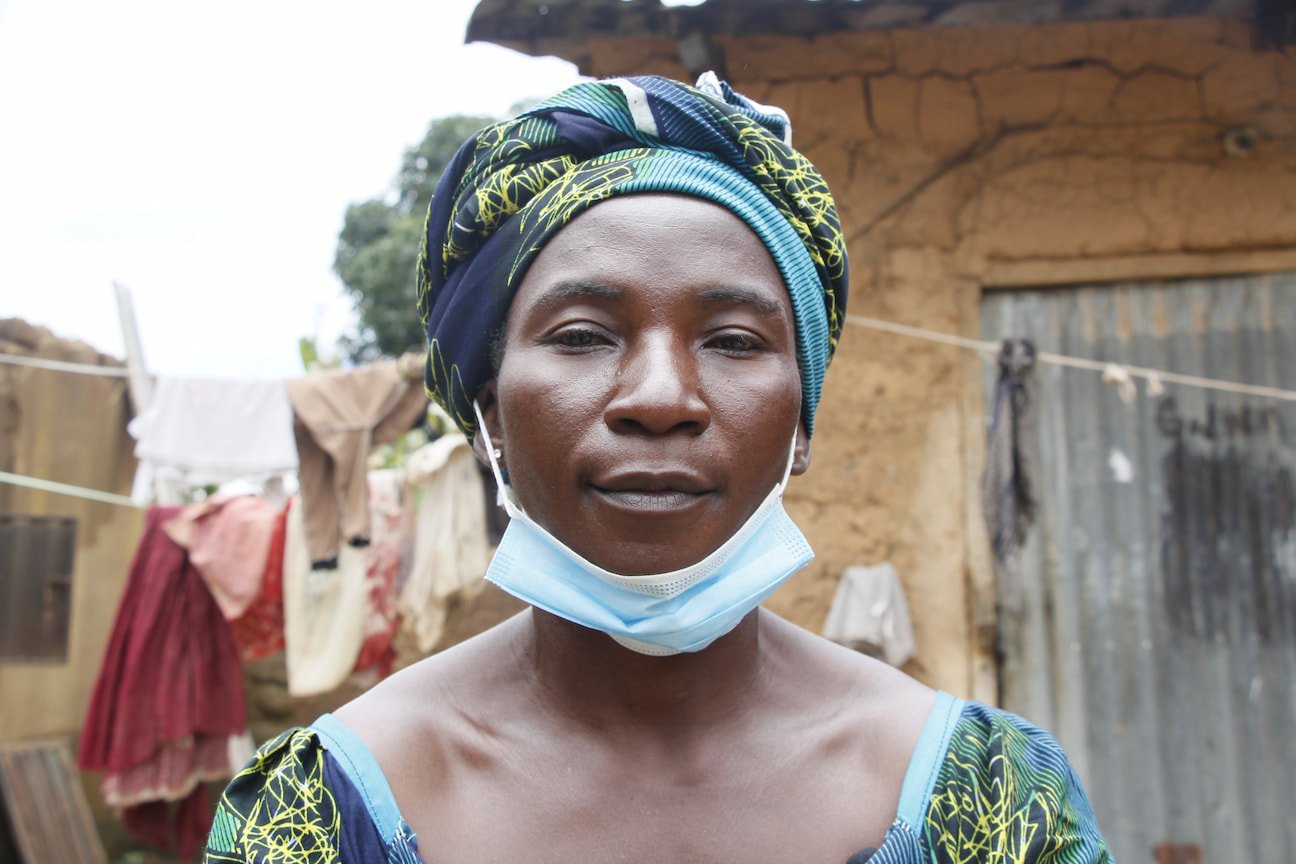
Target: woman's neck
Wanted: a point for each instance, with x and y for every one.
(587, 676)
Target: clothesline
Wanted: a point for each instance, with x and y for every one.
(1152, 375)
(64, 366)
(67, 489)
(248, 426)
(861, 321)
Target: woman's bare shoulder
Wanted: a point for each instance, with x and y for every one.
(406, 719)
(884, 705)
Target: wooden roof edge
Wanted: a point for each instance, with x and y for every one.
(564, 28)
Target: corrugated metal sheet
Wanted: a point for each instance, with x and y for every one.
(1156, 627)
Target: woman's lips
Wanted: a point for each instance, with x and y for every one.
(651, 500)
(653, 492)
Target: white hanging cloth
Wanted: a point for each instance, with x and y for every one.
(451, 549)
(324, 612)
(197, 432)
(869, 613)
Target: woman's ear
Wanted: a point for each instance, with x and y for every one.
(489, 406)
(801, 455)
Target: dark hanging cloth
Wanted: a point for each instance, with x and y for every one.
(168, 697)
(1006, 497)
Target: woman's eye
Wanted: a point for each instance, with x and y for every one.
(577, 339)
(736, 342)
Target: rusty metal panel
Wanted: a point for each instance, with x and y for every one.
(1152, 621)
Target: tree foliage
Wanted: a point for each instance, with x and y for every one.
(378, 245)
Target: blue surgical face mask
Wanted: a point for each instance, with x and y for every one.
(684, 610)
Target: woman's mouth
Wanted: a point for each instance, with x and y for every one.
(651, 500)
(653, 492)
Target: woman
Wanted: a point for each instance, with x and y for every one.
(631, 295)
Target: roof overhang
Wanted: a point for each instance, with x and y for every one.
(564, 28)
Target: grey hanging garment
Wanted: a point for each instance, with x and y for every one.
(1006, 497)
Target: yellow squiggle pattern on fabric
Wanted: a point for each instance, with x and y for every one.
(278, 810)
(503, 194)
(1003, 797)
(450, 393)
(784, 175)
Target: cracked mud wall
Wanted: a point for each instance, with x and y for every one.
(71, 429)
(964, 158)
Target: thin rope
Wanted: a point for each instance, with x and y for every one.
(62, 366)
(1157, 375)
(919, 333)
(67, 489)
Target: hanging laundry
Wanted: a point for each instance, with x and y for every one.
(237, 545)
(450, 548)
(198, 432)
(341, 621)
(1006, 498)
(169, 697)
(339, 416)
(228, 540)
(383, 558)
(324, 612)
(259, 631)
(870, 614)
(1118, 375)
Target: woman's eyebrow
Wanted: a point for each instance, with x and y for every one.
(560, 293)
(740, 297)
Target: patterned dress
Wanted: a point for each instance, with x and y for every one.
(983, 786)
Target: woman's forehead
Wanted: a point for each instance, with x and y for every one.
(656, 240)
(669, 210)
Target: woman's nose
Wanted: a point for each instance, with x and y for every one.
(658, 390)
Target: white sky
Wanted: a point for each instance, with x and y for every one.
(203, 154)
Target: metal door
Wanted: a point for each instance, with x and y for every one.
(1153, 626)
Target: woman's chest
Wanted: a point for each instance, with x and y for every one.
(814, 813)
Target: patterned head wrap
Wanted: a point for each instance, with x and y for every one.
(515, 184)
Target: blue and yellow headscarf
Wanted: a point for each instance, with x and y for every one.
(515, 184)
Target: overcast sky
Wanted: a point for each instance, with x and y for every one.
(203, 154)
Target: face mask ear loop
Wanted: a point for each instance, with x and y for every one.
(503, 496)
(787, 472)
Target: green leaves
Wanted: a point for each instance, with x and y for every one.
(422, 165)
(379, 242)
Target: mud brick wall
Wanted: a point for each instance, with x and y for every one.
(994, 157)
(71, 429)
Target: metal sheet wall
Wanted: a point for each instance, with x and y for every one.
(1150, 622)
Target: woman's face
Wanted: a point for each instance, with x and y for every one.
(648, 395)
